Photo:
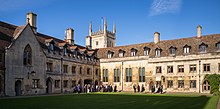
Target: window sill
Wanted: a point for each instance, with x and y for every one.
(192, 72)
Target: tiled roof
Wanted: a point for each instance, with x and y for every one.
(164, 45)
(8, 31)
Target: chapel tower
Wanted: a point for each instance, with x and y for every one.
(102, 38)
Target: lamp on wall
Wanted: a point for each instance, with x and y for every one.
(33, 73)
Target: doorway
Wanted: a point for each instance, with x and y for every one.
(18, 88)
(49, 85)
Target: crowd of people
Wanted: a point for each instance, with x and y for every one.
(87, 88)
(137, 88)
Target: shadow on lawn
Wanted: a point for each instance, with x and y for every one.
(107, 101)
(139, 101)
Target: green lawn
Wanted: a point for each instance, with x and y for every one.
(112, 101)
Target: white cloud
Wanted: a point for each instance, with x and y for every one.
(165, 6)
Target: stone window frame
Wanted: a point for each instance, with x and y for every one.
(180, 68)
(141, 73)
(128, 72)
(207, 67)
(65, 68)
(180, 83)
(49, 67)
(35, 83)
(170, 69)
(74, 70)
(117, 75)
(57, 83)
(27, 55)
(192, 83)
(158, 69)
(192, 68)
(169, 83)
(105, 75)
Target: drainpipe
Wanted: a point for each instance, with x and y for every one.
(61, 71)
(122, 76)
(4, 72)
(199, 75)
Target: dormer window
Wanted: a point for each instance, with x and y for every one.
(50, 45)
(121, 53)
(65, 51)
(186, 49)
(218, 46)
(172, 50)
(146, 51)
(110, 54)
(203, 48)
(158, 52)
(133, 52)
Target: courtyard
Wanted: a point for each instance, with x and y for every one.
(112, 101)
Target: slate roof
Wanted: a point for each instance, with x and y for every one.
(9, 31)
(164, 45)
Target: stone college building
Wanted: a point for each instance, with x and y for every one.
(34, 63)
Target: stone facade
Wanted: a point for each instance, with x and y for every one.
(19, 77)
(2, 72)
(178, 65)
(38, 64)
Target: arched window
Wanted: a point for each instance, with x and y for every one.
(206, 86)
(27, 55)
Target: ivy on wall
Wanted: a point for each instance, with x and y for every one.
(214, 81)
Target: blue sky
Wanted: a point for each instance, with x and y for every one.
(136, 20)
